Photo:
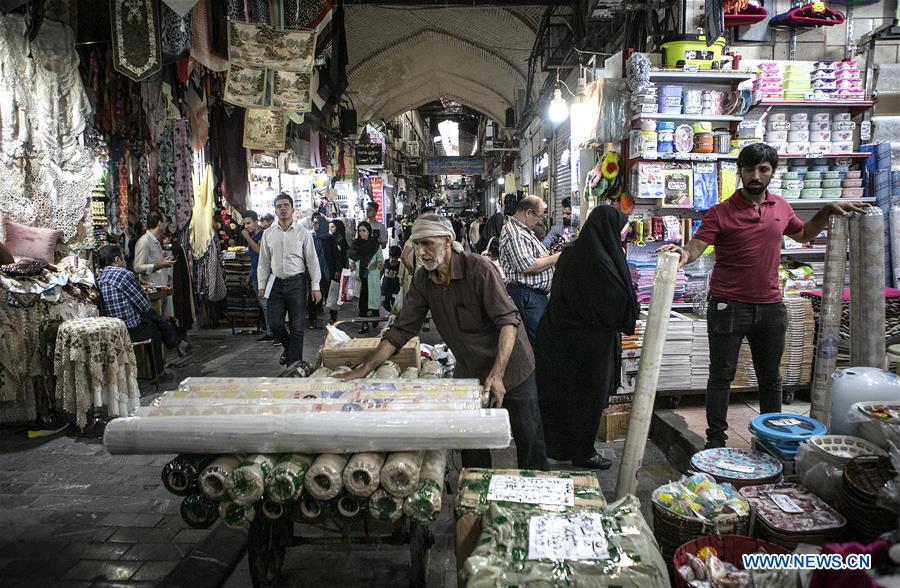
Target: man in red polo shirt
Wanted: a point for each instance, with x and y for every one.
(745, 297)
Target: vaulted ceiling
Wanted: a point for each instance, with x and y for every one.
(403, 57)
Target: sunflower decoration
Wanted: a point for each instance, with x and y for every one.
(610, 170)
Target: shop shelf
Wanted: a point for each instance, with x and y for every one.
(825, 156)
(855, 106)
(686, 117)
(688, 157)
(701, 77)
(818, 202)
(804, 251)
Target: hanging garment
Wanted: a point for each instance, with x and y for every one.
(122, 192)
(236, 10)
(136, 47)
(202, 216)
(201, 38)
(166, 181)
(215, 267)
(175, 34)
(182, 290)
(144, 181)
(306, 14)
(228, 153)
(198, 112)
(259, 11)
(183, 173)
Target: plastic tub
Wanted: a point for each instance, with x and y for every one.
(790, 194)
(801, 125)
(813, 175)
(831, 193)
(779, 125)
(799, 117)
(794, 184)
(853, 175)
(777, 117)
(851, 183)
(832, 175)
(820, 136)
(691, 50)
(842, 147)
(798, 136)
(843, 116)
(853, 192)
(776, 136)
(807, 183)
(821, 117)
(798, 147)
(811, 193)
(831, 183)
(790, 175)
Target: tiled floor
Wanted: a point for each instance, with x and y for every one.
(743, 409)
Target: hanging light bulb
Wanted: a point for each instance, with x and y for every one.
(559, 110)
(500, 181)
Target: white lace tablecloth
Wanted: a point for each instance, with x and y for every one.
(95, 365)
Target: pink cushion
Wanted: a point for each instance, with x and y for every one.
(31, 242)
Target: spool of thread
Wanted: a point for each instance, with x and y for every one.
(212, 478)
(271, 509)
(320, 374)
(362, 475)
(400, 473)
(179, 476)
(323, 479)
(387, 371)
(385, 507)
(431, 369)
(311, 509)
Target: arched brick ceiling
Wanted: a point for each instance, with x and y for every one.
(400, 58)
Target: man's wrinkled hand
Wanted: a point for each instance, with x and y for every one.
(672, 248)
(494, 384)
(845, 208)
(356, 374)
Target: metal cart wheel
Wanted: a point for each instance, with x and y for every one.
(420, 541)
(266, 543)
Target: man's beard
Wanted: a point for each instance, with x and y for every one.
(430, 265)
(755, 189)
(567, 222)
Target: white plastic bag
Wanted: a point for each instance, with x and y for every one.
(334, 293)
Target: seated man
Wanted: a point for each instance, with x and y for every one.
(123, 298)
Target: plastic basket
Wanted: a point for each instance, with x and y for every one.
(729, 548)
(839, 449)
(673, 530)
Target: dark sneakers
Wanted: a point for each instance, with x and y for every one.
(595, 462)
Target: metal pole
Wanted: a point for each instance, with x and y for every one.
(648, 374)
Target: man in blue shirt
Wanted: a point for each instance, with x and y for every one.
(122, 297)
(253, 234)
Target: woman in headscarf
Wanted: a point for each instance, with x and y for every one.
(489, 238)
(327, 254)
(578, 343)
(365, 251)
(342, 248)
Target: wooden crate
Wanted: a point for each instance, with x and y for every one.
(354, 352)
(613, 426)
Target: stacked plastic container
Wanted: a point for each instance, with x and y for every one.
(801, 133)
(837, 80)
(809, 179)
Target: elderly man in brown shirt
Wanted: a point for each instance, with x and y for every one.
(478, 320)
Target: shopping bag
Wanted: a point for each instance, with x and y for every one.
(334, 293)
(345, 284)
(354, 287)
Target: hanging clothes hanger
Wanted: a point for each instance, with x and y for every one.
(815, 14)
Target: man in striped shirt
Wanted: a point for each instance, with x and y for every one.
(527, 263)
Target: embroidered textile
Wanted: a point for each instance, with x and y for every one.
(201, 219)
(136, 48)
(175, 34)
(144, 181)
(166, 176)
(183, 167)
(201, 38)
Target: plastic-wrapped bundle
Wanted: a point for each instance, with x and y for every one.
(271, 509)
(384, 506)
(309, 509)
(213, 478)
(320, 374)
(431, 370)
(342, 369)
(247, 483)
(410, 373)
(401, 471)
(349, 506)
(179, 476)
(363, 473)
(286, 481)
(387, 371)
(425, 504)
(236, 515)
(323, 479)
(198, 511)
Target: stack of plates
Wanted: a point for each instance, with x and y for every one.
(699, 356)
(799, 348)
(839, 449)
(739, 467)
(785, 432)
(788, 514)
(864, 481)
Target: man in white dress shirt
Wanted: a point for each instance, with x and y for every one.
(287, 258)
(149, 262)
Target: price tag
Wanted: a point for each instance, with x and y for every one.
(812, 96)
(552, 491)
(704, 157)
(784, 502)
(573, 537)
(229, 255)
(865, 130)
(648, 108)
(843, 161)
(734, 467)
(788, 422)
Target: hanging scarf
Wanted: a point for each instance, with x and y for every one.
(364, 251)
(202, 217)
(592, 284)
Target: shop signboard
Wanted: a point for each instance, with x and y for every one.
(378, 196)
(369, 155)
(454, 166)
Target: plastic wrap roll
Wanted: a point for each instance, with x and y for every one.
(198, 511)
(362, 475)
(384, 506)
(895, 243)
(387, 371)
(856, 262)
(247, 483)
(271, 509)
(236, 515)
(829, 318)
(212, 478)
(425, 504)
(320, 374)
(310, 433)
(323, 480)
(401, 471)
(872, 310)
(309, 509)
(410, 373)
(286, 481)
(431, 369)
(179, 476)
(349, 506)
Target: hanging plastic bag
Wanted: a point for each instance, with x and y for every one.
(345, 292)
(334, 294)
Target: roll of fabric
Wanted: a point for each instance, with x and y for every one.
(362, 475)
(311, 509)
(212, 478)
(179, 476)
(271, 509)
(236, 515)
(425, 504)
(387, 371)
(385, 507)
(247, 483)
(410, 373)
(198, 511)
(895, 244)
(431, 369)
(343, 369)
(349, 506)
(286, 481)
(320, 374)
(872, 309)
(401, 471)
(323, 479)
(856, 262)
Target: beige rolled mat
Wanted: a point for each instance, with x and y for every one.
(320, 374)
(350, 506)
(425, 504)
(387, 371)
(271, 509)
(431, 369)
(400, 473)
(212, 479)
(310, 509)
(247, 483)
(384, 506)
(286, 481)
(236, 515)
(323, 479)
(362, 475)
(410, 373)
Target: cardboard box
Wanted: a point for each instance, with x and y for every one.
(355, 351)
(613, 426)
(472, 502)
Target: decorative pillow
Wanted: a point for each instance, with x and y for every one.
(31, 242)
